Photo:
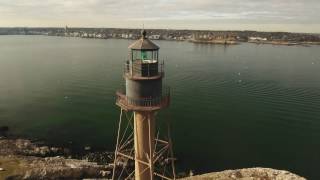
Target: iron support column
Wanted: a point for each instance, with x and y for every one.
(144, 128)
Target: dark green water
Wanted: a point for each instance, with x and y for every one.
(232, 107)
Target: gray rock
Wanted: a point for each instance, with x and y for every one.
(22, 152)
(248, 174)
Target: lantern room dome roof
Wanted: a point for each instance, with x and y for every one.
(143, 43)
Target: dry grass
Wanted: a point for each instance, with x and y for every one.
(11, 166)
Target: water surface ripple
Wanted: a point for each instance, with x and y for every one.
(232, 106)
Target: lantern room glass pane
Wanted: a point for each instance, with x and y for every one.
(144, 55)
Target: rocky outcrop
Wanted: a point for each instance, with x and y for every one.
(51, 168)
(26, 147)
(248, 174)
(22, 159)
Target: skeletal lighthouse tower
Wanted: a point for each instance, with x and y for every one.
(140, 154)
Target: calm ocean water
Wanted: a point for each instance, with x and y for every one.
(232, 107)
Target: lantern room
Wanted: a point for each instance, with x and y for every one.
(143, 60)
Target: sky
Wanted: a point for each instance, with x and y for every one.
(261, 15)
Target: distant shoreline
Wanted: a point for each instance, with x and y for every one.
(286, 43)
(220, 42)
(213, 42)
(195, 36)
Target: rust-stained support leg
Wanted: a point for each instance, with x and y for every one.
(144, 127)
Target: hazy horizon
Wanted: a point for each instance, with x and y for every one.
(269, 15)
(137, 28)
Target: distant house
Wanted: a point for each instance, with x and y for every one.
(124, 36)
(154, 36)
(257, 39)
(98, 35)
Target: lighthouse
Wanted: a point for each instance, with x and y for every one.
(140, 153)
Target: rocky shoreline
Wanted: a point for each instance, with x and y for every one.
(23, 159)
